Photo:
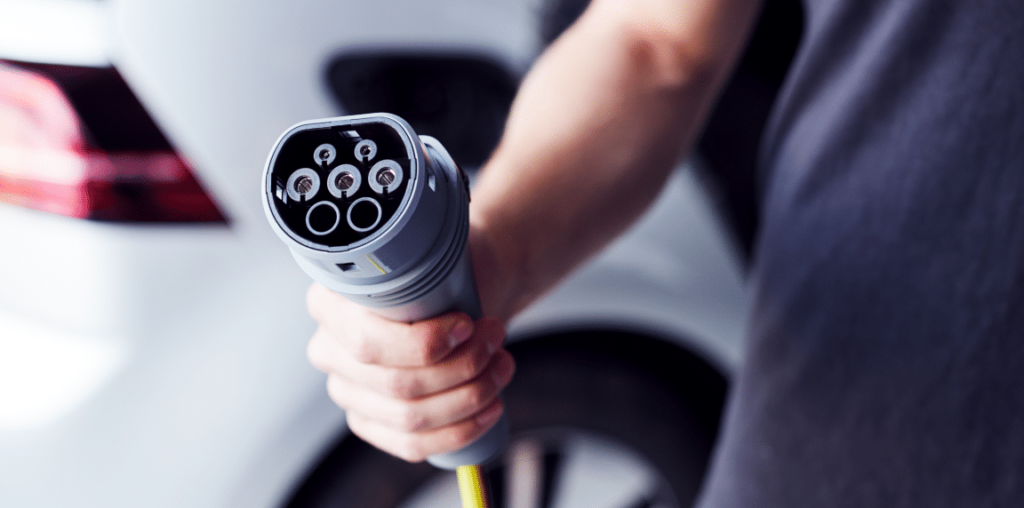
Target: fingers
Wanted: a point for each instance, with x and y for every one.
(371, 339)
(425, 413)
(415, 447)
(412, 390)
(466, 362)
(439, 423)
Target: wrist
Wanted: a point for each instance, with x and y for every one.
(494, 267)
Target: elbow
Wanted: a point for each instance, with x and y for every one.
(672, 54)
(671, 61)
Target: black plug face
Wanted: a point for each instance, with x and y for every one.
(335, 186)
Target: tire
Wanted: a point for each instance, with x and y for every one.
(637, 405)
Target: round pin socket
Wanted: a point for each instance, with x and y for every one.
(303, 184)
(324, 154)
(363, 214)
(365, 150)
(344, 180)
(386, 174)
(323, 218)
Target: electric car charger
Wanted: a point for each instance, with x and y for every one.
(379, 215)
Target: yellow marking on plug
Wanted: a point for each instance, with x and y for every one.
(374, 263)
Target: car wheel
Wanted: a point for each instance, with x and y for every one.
(598, 419)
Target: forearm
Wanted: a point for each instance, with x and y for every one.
(598, 125)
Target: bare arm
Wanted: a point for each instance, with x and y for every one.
(598, 125)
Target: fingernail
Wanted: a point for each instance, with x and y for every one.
(490, 416)
(459, 333)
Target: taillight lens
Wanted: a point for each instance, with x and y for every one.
(75, 141)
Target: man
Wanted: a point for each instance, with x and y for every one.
(883, 366)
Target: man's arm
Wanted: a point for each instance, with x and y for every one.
(599, 123)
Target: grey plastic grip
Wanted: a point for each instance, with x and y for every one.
(456, 293)
(492, 442)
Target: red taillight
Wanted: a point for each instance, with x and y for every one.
(75, 141)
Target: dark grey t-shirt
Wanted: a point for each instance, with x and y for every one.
(886, 362)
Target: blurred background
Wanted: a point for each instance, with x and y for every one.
(152, 327)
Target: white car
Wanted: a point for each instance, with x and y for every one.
(153, 328)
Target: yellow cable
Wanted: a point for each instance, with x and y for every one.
(472, 486)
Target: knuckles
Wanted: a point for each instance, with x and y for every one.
(481, 395)
(405, 447)
(507, 366)
(400, 384)
(428, 344)
(364, 350)
(409, 450)
(424, 353)
(476, 362)
(459, 436)
(476, 395)
(412, 446)
(410, 419)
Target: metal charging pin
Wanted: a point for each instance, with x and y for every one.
(365, 150)
(324, 154)
(344, 181)
(386, 177)
(303, 184)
